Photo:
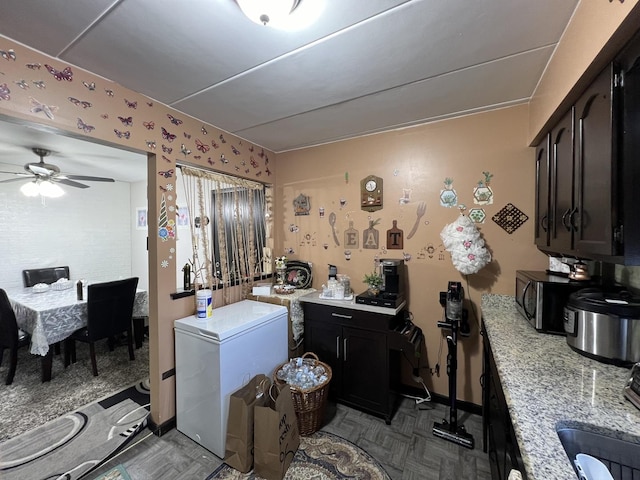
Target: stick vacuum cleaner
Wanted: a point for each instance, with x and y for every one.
(456, 322)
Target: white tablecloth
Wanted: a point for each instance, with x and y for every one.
(52, 316)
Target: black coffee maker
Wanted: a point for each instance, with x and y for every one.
(392, 290)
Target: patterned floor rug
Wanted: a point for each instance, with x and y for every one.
(74, 444)
(321, 456)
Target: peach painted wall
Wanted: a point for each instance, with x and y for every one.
(30, 85)
(418, 160)
(596, 32)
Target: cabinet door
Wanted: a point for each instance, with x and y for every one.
(595, 166)
(561, 195)
(542, 194)
(325, 339)
(365, 377)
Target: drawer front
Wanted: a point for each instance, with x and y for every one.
(350, 317)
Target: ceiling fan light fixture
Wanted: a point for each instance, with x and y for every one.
(50, 189)
(268, 12)
(30, 189)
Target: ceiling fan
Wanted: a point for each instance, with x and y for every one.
(41, 171)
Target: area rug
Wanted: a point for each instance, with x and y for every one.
(28, 403)
(74, 444)
(116, 473)
(321, 456)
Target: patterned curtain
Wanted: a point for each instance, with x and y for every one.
(230, 225)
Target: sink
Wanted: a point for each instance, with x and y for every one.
(620, 456)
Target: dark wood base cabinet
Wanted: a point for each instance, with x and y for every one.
(354, 344)
(499, 438)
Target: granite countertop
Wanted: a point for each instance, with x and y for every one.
(548, 385)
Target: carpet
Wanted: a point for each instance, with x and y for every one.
(74, 444)
(28, 403)
(321, 456)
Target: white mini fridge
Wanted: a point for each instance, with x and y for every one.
(216, 356)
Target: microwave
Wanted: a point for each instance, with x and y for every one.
(541, 297)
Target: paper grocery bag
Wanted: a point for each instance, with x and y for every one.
(276, 435)
(239, 441)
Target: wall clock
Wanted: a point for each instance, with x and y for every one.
(371, 194)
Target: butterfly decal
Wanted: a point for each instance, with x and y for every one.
(235, 150)
(268, 171)
(166, 159)
(266, 160)
(223, 159)
(91, 86)
(203, 130)
(79, 103)
(8, 54)
(40, 84)
(120, 134)
(83, 126)
(149, 125)
(222, 139)
(162, 188)
(150, 104)
(151, 144)
(166, 149)
(251, 148)
(109, 92)
(174, 120)
(214, 144)
(34, 66)
(22, 84)
(253, 162)
(167, 174)
(259, 173)
(127, 121)
(185, 151)
(201, 146)
(4, 92)
(170, 137)
(261, 154)
(187, 135)
(37, 107)
(60, 75)
(237, 167)
(197, 157)
(210, 161)
(131, 104)
(104, 115)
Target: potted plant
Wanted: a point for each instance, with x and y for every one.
(373, 281)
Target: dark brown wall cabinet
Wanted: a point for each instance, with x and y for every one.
(587, 173)
(354, 344)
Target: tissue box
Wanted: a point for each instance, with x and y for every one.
(262, 289)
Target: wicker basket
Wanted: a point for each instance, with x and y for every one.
(309, 404)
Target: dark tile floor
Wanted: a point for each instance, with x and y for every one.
(407, 448)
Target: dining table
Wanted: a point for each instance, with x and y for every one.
(52, 315)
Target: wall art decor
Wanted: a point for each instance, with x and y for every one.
(332, 222)
(301, 205)
(482, 193)
(395, 237)
(370, 237)
(371, 193)
(478, 215)
(351, 236)
(420, 211)
(448, 196)
(141, 218)
(510, 218)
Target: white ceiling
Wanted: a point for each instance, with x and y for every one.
(364, 66)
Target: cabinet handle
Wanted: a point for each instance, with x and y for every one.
(571, 219)
(341, 315)
(565, 215)
(344, 346)
(338, 348)
(544, 223)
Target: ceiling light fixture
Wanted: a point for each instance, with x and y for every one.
(44, 188)
(268, 12)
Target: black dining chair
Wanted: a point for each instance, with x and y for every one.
(11, 337)
(109, 314)
(48, 275)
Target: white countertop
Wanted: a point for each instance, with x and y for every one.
(315, 298)
(547, 385)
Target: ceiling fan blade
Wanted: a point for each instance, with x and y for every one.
(17, 179)
(89, 178)
(70, 183)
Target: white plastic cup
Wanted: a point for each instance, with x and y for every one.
(204, 304)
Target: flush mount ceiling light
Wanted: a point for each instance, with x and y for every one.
(268, 12)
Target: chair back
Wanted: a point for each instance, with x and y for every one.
(110, 307)
(8, 323)
(44, 275)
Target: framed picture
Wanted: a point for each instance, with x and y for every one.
(182, 217)
(141, 218)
